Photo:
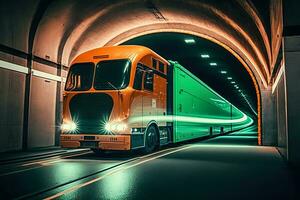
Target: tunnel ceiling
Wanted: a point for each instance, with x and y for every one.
(172, 46)
(60, 30)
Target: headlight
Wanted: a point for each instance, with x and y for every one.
(69, 127)
(115, 126)
(108, 127)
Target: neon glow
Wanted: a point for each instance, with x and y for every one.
(245, 125)
(201, 120)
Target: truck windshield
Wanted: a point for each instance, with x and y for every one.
(80, 77)
(112, 74)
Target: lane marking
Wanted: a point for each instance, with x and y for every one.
(47, 162)
(54, 159)
(26, 196)
(38, 162)
(18, 171)
(76, 187)
(41, 163)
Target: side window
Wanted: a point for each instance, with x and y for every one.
(138, 79)
(148, 80)
(154, 63)
(161, 67)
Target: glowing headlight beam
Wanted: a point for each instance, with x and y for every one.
(108, 127)
(115, 126)
(68, 126)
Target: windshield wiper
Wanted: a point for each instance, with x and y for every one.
(112, 85)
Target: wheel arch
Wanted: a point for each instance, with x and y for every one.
(152, 123)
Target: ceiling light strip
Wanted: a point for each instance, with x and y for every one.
(46, 75)
(13, 67)
(25, 70)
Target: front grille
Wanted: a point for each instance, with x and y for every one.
(89, 137)
(89, 144)
(91, 111)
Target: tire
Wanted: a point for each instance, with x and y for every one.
(151, 140)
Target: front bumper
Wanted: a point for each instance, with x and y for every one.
(104, 142)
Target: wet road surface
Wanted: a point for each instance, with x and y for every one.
(225, 167)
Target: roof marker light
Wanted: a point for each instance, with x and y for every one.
(205, 56)
(189, 41)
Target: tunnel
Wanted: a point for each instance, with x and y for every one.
(199, 58)
(246, 51)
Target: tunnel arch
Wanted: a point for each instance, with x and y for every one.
(64, 29)
(216, 25)
(94, 29)
(141, 32)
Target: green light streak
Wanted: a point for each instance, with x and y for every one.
(200, 120)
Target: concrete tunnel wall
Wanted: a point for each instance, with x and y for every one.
(46, 36)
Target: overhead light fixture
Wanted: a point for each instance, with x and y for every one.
(189, 41)
(213, 64)
(232, 82)
(229, 78)
(240, 90)
(205, 56)
(223, 72)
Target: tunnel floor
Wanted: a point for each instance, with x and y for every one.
(225, 167)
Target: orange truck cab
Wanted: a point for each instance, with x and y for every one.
(112, 97)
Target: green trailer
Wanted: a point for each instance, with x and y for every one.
(196, 110)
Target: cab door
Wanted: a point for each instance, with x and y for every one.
(136, 110)
(149, 100)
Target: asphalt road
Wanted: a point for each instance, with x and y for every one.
(226, 167)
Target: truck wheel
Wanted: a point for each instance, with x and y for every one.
(151, 139)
